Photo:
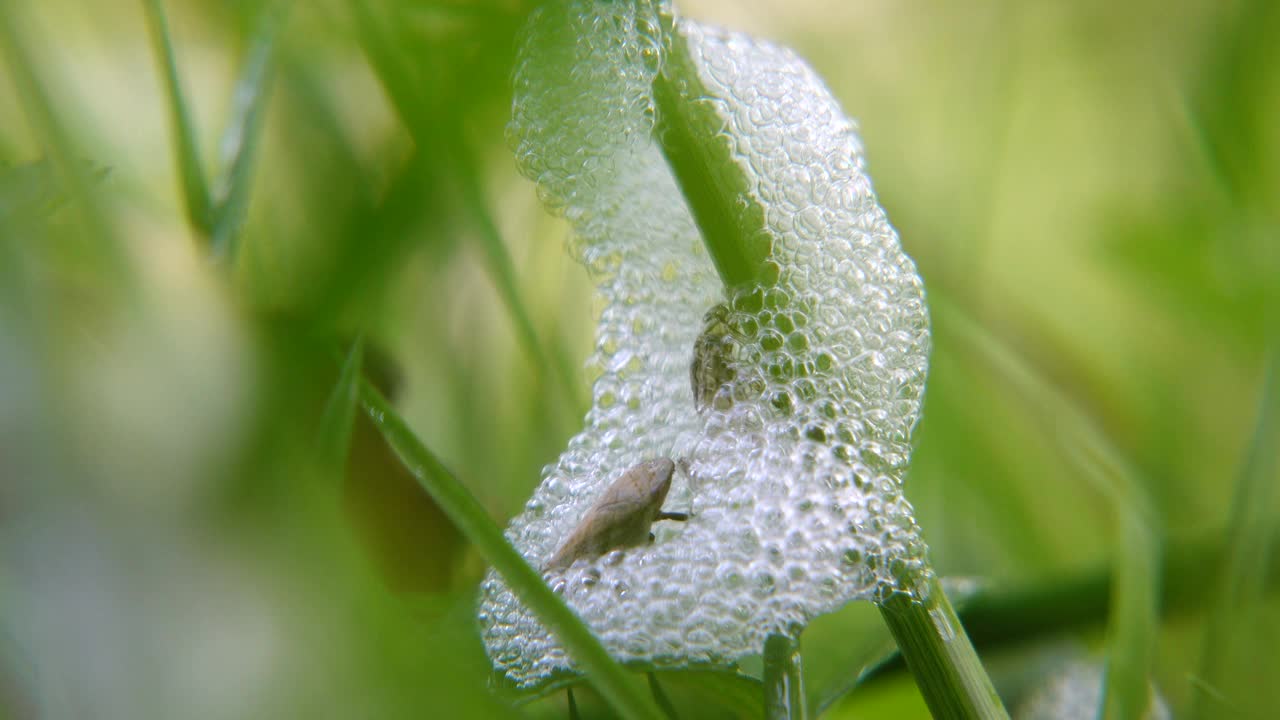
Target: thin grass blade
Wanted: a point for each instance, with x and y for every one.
(624, 693)
(239, 146)
(96, 237)
(1135, 590)
(503, 275)
(1231, 643)
(660, 697)
(333, 438)
(446, 142)
(195, 189)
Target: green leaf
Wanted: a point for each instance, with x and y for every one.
(712, 693)
(897, 698)
(625, 695)
(194, 186)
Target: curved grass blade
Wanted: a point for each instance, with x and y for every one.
(1135, 587)
(502, 272)
(96, 236)
(1231, 644)
(660, 697)
(239, 146)
(1135, 609)
(573, 705)
(195, 189)
(333, 438)
(623, 693)
(427, 128)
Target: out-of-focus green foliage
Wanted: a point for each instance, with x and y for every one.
(1094, 185)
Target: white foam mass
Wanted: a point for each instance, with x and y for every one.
(793, 478)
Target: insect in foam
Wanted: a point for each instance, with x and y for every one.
(712, 366)
(622, 516)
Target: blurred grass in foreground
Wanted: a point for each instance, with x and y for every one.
(1094, 186)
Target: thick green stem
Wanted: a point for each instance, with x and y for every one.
(715, 187)
(783, 682)
(732, 223)
(1005, 617)
(938, 653)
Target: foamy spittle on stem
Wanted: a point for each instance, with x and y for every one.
(793, 460)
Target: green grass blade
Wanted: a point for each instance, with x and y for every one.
(660, 697)
(1136, 584)
(862, 649)
(715, 187)
(195, 189)
(333, 438)
(1231, 642)
(239, 147)
(503, 274)
(1135, 613)
(783, 680)
(28, 192)
(1228, 106)
(95, 235)
(439, 137)
(626, 695)
(940, 656)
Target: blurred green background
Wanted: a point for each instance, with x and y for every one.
(1091, 190)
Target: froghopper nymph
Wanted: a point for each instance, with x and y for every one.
(622, 516)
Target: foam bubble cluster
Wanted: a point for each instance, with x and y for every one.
(792, 461)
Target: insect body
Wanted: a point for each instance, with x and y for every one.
(711, 368)
(622, 516)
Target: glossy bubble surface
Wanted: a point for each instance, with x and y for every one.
(793, 465)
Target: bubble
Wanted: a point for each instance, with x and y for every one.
(807, 388)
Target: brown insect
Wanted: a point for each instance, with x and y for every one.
(711, 368)
(621, 518)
